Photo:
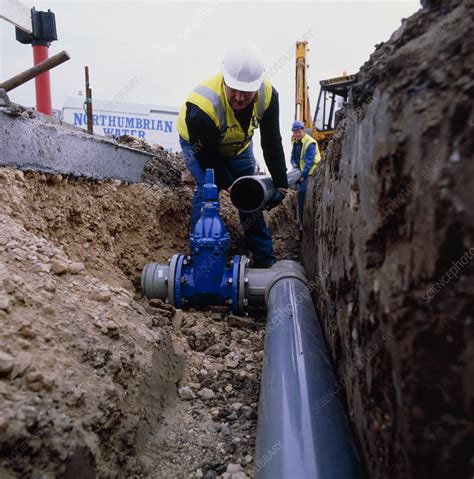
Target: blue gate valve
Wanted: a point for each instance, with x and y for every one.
(205, 277)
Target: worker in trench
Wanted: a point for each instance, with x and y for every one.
(216, 125)
(304, 156)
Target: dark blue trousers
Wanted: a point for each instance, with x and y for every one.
(257, 234)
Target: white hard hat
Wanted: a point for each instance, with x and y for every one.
(242, 69)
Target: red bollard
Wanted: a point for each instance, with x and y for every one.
(42, 82)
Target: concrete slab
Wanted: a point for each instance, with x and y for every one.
(31, 141)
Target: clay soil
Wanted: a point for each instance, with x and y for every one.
(391, 221)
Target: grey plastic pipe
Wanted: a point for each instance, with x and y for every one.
(251, 193)
(303, 431)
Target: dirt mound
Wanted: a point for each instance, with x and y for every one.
(283, 224)
(82, 371)
(391, 222)
(164, 168)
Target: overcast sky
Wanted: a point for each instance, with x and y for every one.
(164, 49)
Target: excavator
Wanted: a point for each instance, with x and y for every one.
(332, 94)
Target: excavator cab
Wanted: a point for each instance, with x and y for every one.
(332, 94)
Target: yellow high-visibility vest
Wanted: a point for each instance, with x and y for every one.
(211, 99)
(305, 142)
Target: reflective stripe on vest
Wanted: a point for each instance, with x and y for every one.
(215, 99)
(211, 99)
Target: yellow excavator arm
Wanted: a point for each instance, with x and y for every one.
(325, 108)
(302, 111)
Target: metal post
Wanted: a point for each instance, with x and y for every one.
(90, 126)
(42, 82)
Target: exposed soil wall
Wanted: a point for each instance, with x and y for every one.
(82, 369)
(389, 240)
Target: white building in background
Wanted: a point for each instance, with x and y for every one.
(154, 124)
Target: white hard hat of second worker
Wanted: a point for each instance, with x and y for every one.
(242, 69)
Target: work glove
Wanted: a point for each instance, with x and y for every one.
(276, 197)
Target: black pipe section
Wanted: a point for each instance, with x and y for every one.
(251, 193)
(303, 431)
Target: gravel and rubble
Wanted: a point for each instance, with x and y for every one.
(219, 393)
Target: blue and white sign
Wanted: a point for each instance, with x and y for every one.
(151, 123)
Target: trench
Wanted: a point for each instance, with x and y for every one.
(97, 383)
(131, 388)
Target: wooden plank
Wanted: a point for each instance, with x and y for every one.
(14, 12)
(36, 70)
